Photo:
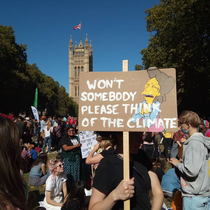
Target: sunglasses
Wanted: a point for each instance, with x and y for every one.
(60, 165)
(180, 123)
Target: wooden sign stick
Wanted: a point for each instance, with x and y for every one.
(126, 162)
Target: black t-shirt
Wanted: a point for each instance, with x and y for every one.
(65, 140)
(69, 141)
(110, 173)
(104, 153)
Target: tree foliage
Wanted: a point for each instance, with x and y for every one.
(138, 67)
(19, 80)
(180, 38)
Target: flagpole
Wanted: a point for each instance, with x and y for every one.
(81, 31)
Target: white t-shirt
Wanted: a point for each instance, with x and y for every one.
(47, 132)
(74, 140)
(55, 124)
(54, 184)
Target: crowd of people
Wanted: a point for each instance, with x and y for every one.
(65, 177)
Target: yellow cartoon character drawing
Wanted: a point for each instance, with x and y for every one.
(151, 90)
(155, 91)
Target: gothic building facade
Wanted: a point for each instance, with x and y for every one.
(80, 60)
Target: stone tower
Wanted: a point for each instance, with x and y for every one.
(80, 60)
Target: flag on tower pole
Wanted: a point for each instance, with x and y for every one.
(77, 27)
(36, 98)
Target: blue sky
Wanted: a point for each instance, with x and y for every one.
(116, 28)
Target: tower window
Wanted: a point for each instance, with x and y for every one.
(75, 71)
(75, 90)
(78, 90)
(82, 69)
(78, 71)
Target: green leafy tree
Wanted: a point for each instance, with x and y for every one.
(180, 38)
(138, 67)
(12, 70)
(19, 80)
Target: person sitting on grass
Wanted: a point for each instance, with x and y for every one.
(33, 152)
(37, 176)
(55, 185)
(159, 167)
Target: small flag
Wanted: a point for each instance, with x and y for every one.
(36, 98)
(77, 27)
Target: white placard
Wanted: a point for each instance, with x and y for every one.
(35, 113)
(88, 140)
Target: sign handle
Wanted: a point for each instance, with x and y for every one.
(126, 162)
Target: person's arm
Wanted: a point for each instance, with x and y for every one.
(94, 159)
(50, 201)
(69, 148)
(64, 189)
(192, 161)
(179, 144)
(124, 191)
(157, 192)
(44, 169)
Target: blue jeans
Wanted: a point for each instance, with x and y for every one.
(196, 203)
(49, 143)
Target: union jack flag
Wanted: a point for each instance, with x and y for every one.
(77, 27)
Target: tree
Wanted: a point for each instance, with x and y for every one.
(12, 70)
(138, 67)
(18, 81)
(180, 38)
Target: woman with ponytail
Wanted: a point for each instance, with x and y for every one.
(55, 185)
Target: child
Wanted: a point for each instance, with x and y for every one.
(33, 152)
(194, 169)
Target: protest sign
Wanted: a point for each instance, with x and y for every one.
(88, 140)
(128, 101)
(35, 113)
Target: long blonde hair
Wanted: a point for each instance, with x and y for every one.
(106, 142)
(49, 125)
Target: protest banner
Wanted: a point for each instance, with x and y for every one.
(128, 101)
(35, 113)
(88, 140)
